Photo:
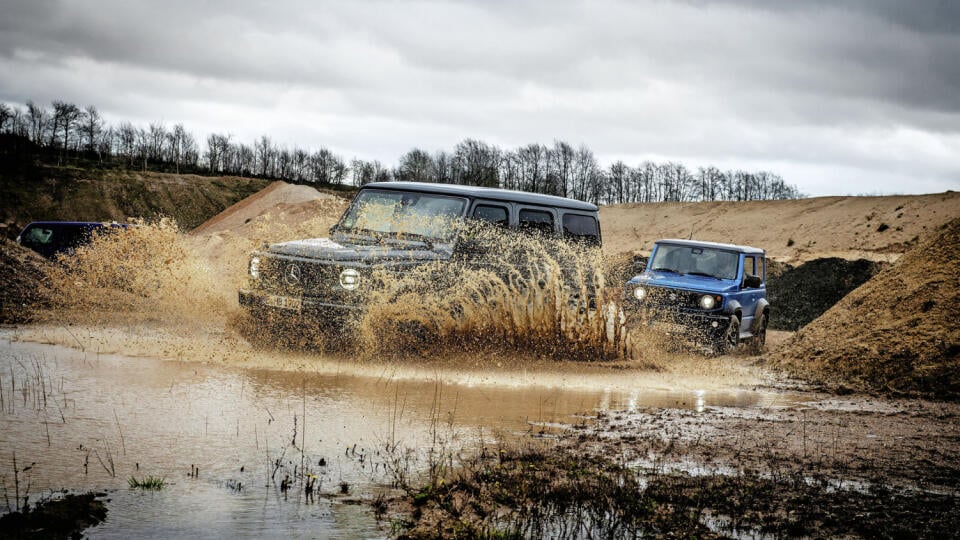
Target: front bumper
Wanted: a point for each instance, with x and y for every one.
(687, 323)
(260, 300)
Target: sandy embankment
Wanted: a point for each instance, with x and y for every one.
(873, 228)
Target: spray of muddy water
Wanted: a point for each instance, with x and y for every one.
(515, 292)
(146, 272)
(512, 294)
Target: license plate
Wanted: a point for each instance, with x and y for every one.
(283, 302)
(672, 328)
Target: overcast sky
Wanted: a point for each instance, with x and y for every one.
(838, 97)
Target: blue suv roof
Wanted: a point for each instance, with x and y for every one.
(717, 245)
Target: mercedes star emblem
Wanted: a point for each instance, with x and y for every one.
(292, 275)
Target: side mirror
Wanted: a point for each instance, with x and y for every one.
(751, 281)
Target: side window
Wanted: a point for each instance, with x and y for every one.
(37, 236)
(751, 273)
(538, 221)
(495, 215)
(581, 228)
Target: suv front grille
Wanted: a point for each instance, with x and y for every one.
(284, 276)
(673, 298)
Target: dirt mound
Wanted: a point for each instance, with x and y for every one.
(276, 195)
(801, 294)
(23, 274)
(874, 228)
(278, 213)
(76, 194)
(897, 333)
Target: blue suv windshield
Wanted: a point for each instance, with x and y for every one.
(699, 261)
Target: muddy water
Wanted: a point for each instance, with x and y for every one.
(88, 420)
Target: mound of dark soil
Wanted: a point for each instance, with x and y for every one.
(803, 293)
(897, 333)
(64, 518)
(23, 274)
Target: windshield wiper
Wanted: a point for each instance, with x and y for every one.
(366, 234)
(425, 240)
(704, 274)
(665, 269)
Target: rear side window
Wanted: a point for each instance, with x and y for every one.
(496, 215)
(581, 228)
(536, 221)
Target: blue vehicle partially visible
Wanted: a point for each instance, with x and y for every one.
(54, 238)
(711, 293)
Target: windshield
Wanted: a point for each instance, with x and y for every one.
(403, 214)
(701, 261)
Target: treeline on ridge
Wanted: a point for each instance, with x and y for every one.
(67, 133)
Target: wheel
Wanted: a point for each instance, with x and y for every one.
(759, 338)
(730, 339)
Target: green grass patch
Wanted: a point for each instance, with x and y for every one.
(147, 482)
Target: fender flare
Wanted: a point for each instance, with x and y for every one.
(762, 307)
(732, 308)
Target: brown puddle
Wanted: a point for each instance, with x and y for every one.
(89, 420)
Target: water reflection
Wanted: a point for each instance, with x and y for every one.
(92, 421)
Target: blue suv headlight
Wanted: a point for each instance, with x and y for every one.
(708, 302)
(640, 293)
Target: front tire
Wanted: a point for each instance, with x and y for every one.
(730, 339)
(759, 338)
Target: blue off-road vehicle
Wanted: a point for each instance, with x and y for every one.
(711, 293)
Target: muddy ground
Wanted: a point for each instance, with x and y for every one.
(802, 464)
(831, 467)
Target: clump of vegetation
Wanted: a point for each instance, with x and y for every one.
(563, 492)
(147, 482)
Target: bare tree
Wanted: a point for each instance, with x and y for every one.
(91, 125)
(417, 166)
(476, 163)
(6, 114)
(65, 117)
(127, 142)
(157, 138)
(264, 153)
(37, 117)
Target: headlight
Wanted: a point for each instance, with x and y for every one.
(349, 279)
(255, 267)
(708, 302)
(640, 293)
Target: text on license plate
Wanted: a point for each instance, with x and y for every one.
(283, 302)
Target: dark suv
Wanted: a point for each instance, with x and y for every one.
(393, 227)
(703, 290)
(54, 238)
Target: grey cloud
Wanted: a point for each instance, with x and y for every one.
(715, 79)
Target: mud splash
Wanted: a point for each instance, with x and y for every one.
(518, 293)
(144, 272)
(510, 293)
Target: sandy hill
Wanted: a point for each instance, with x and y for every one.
(279, 212)
(78, 194)
(898, 332)
(873, 228)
